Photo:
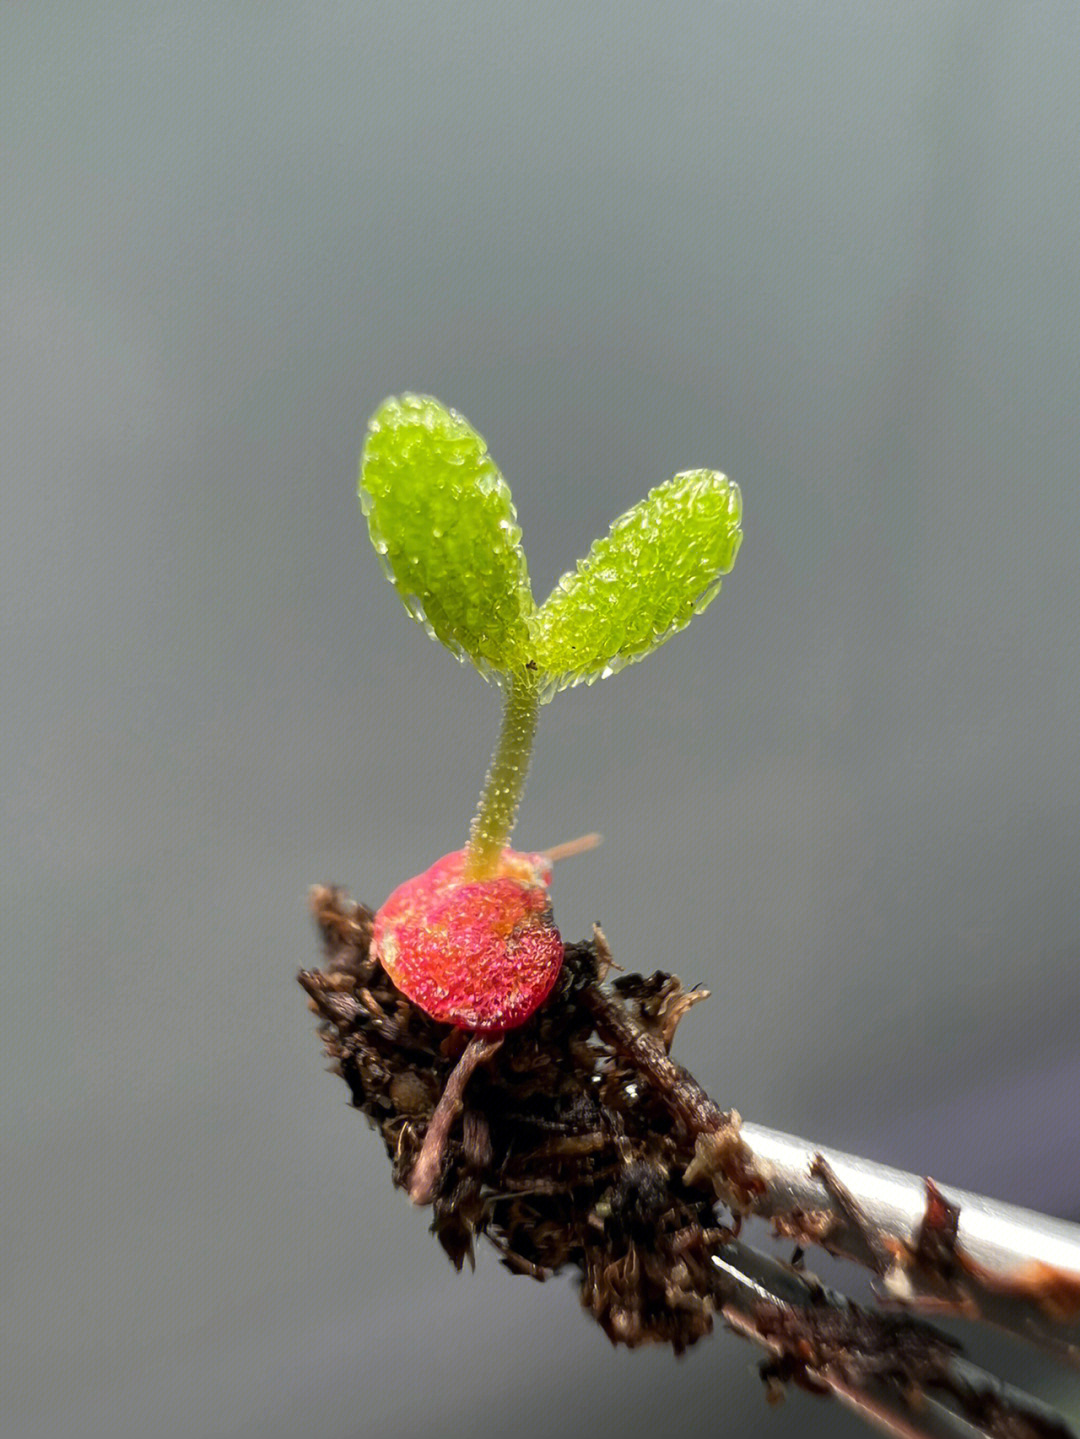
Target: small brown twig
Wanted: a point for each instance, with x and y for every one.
(428, 1167)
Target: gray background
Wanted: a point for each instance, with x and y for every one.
(829, 248)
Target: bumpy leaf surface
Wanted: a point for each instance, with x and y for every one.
(658, 566)
(443, 523)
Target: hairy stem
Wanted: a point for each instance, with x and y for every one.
(506, 778)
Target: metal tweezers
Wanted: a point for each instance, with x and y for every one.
(933, 1250)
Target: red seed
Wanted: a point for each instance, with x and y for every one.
(479, 953)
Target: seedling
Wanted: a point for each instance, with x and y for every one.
(472, 940)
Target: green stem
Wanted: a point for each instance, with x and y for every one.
(506, 778)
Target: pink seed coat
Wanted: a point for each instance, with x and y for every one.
(479, 953)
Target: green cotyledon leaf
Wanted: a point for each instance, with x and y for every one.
(444, 525)
(658, 566)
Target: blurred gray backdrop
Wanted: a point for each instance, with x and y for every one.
(829, 248)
